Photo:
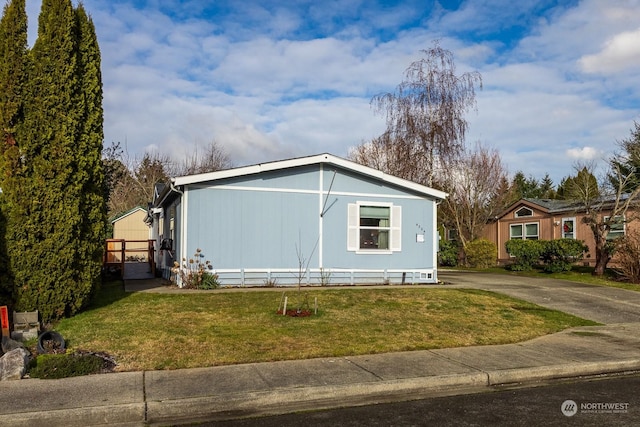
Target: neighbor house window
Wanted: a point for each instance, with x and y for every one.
(617, 227)
(524, 231)
(524, 212)
(374, 227)
(568, 228)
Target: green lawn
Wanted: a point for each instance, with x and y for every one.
(162, 331)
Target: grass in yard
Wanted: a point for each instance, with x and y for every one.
(161, 331)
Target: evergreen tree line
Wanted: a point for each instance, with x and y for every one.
(52, 205)
(531, 188)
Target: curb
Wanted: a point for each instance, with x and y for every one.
(554, 372)
(282, 401)
(123, 415)
(293, 399)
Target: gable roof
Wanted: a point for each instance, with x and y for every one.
(554, 205)
(550, 206)
(127, 213)
(311, 160)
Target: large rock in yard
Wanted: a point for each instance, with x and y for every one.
(8, 344)
(13, 365)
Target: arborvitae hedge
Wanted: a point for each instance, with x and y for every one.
(13, 67)
(53, 193)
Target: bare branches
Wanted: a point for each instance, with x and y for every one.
(427, 109)
(476, 194)
(132, 179)
(617, 201)
(211, 158)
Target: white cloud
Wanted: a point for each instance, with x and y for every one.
(621, 53)
(584, 153)
(267, 81)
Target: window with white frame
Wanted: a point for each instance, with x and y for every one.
(524, 231)
(617, 227)
(374, 227)
(568, 228)
(523, 212)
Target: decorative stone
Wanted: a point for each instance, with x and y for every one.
(8, 344)
(13, 365)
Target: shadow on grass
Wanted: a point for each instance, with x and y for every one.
(111, 290)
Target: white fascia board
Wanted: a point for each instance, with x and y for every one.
(304, 161)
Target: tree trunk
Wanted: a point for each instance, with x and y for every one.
(602, 258)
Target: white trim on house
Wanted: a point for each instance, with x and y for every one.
(321, 197)
(305, 161)
(296, 190)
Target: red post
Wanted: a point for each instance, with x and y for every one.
(4, 320)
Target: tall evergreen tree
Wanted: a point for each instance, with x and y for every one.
(13, 64)
(627, 163)
(526, 187)
(47, 252)
(57, 216)
(583, 186)
(547, 190)
(90, 172)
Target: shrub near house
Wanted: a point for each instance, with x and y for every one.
(556, 255)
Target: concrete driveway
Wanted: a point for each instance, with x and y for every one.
(598, 303)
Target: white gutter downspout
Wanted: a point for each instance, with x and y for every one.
(183, 221)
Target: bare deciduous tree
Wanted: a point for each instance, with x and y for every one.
(475, 184)
(427, 109)
(391, 157)
(614, 206)
(132, 179)
(210, 159)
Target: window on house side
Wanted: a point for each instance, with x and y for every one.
(374, 227)
(524, 231)
(617, 227)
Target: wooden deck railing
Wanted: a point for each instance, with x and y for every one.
(116, 250)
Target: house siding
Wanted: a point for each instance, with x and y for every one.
(550, 227)
(260, 227)
(131, 226)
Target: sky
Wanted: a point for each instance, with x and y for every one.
(270, 80)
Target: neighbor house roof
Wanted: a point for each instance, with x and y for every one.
(310, 160)
(127, 213)
(555, 205)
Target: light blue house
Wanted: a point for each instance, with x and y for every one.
(318, 219)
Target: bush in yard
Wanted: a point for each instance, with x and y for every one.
(54, 366)
(560, 254)
(481, 253)
(628, 257)
(526, 253)
(448, 254)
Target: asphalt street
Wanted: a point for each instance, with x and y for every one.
(598, 402)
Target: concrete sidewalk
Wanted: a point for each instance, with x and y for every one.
(181, 396)
(224, 392)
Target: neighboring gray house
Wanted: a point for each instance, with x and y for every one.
(322, 216)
